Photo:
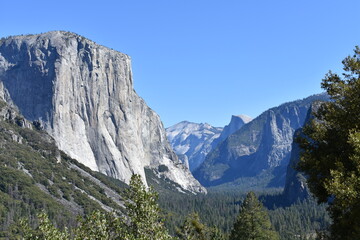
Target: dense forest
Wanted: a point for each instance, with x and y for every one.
(220, 209)
(185, 216)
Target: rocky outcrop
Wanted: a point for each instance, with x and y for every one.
(82, 94)
(260, 151)
(295, 182)
(236, 122)
(192, 141)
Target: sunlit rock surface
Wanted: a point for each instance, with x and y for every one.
(82, 93)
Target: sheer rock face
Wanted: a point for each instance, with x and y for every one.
(295, 184)
(83, 95)
(259, 151)
(236, 122)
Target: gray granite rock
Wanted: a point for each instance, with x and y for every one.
(192, 141)
(258, 154)
(82, 94)
(236, 122)
(295, 182)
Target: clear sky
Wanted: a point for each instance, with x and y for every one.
(205, 60)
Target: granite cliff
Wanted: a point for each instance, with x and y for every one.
(82, 94)
(257, 155)
(236, 122)
(295, 183)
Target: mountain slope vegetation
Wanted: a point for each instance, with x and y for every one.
(35, 175)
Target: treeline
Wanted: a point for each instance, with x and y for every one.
(179, 216)
(303, 219)
(220, 209)
(142, 220)
(32, 178)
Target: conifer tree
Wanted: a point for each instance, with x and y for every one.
(96, 226)
(253, 222)
(142, 221)
(330, 146)
(143, 213)
(45, 230)
(193, 229)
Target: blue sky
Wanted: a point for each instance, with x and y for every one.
(203, 61)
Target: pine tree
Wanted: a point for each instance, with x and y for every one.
(142, 221)
(193, 229)
(330, 146)
(96, 226)
(253, 221)
(143, 213)
(45, 230)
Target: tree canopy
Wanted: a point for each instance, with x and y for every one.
(330, 144)
(193, 229)
(143, 213)
(142, 221)
(253, 222)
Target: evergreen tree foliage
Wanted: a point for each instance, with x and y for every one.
(220, 209)
(331, 149)
(45, 230)
(253, 221)
(97, 225)
(193, 229)
(142, 222)
(143, 213)
(301, 220)
(305, 220)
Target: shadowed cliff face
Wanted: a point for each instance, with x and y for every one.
(20, 61)
(236, 122)
(83, 94)
(259, 152)
(295, 184)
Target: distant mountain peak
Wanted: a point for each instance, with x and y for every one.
(243, 117)
(236, 122)
(257, 154)
(196, 140)
(192, 140)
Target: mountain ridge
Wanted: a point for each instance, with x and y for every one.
(192, 141)
(259, 151)
(295, 185)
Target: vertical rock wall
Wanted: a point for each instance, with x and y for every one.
(83, 95)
